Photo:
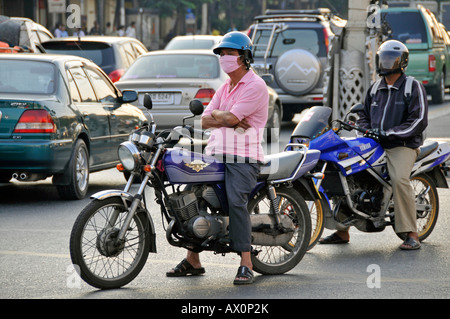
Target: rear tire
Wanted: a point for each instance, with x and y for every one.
(275, 260)
(78, 171)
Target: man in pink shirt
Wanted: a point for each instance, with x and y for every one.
(237, 115)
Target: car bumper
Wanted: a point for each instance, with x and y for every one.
(34, 156)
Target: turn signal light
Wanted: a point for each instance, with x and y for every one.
(147, 168)
(120, 167)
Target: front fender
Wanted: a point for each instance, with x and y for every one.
(116, 193)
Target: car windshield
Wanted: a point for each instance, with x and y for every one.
(187, 44)
(99, 53)
(174, 66)
(402, 28)
(311, 40)
(34, 77)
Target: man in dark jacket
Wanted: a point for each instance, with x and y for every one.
(396, 113)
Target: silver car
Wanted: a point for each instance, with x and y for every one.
(174, 78)
(185, 42)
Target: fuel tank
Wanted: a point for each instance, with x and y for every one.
(185, 167)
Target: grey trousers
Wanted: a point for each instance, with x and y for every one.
(400, 161)
(240, 180)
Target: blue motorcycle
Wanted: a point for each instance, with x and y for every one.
(354, 185)
(113, 235)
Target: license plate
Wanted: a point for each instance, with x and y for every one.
(162, 98)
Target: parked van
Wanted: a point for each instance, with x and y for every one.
(425, 39)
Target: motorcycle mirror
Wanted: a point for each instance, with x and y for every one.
(196, 107)
(148, 104)
(357, 108)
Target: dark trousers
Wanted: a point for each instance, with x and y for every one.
(240, 180)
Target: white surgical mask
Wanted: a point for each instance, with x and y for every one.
(229, 63)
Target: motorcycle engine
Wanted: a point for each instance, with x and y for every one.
(191, 209)
(367, 201)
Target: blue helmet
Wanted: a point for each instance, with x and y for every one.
(236, 40)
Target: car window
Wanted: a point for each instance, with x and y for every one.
(178, 44)
(402, 28)
(98, 52)
(174, 66)
(73, 89)
(129, 52)
(84, 86)
(311, 40)
(23, 76)
(105, 92)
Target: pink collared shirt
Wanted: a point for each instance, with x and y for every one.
(249, 99)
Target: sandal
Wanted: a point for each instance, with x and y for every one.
(410, 244)
(184, 268)
(333, 239)
(244, 276)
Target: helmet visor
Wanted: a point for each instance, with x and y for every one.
(389, 60)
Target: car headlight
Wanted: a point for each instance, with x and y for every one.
(129, 156)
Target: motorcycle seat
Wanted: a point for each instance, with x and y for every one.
(426, 149)
(279, 166)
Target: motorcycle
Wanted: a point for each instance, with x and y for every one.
(356, 189)
(114, 234)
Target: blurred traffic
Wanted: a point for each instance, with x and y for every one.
(72, 79)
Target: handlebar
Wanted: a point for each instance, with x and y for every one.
(349, 126)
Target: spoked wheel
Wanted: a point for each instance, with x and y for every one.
(317, 221)
(427, 202)
(101, 260)
(273, 260)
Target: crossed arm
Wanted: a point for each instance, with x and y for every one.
(223, 119)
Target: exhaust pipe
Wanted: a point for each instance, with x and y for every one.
(27, 177)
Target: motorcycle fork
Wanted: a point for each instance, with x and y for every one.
(137, 198)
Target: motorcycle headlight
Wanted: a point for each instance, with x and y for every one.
(129, 156)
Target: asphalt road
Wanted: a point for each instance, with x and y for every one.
(35, 227)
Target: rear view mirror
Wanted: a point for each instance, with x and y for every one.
(196, 107)
(148, 104)
(357, 108)
(129, 96)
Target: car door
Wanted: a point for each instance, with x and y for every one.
(121, 117)
(94, 117)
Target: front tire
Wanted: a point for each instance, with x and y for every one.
(100, 261)
(275, 260)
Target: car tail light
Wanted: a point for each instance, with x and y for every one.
(205, 95)
(326, 40)
(116, 75)
(431, 63)
(35, 121)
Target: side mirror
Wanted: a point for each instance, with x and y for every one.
(148, 104)
(196, 107)
(129, 96)
(357, 108)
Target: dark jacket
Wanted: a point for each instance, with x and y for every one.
(403, 120)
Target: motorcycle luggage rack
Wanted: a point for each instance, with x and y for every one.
(291, 178)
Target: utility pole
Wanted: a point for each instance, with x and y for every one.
(352, 74)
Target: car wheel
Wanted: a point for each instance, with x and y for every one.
(438, 92)
(78, 171)
(273, 132)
